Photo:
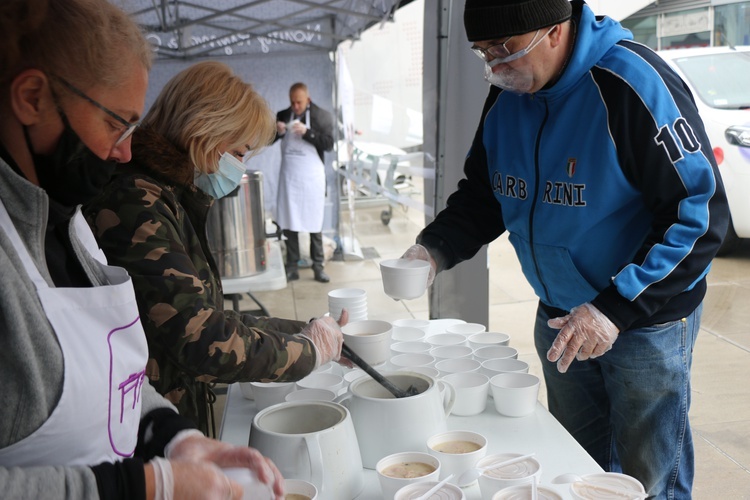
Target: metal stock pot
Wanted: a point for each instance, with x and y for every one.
(236, 229)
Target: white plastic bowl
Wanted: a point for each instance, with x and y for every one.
(370, 339)
(404, 279)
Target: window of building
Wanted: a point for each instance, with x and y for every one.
(732, 24)
(644, 30)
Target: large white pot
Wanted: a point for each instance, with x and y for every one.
(314, 441)
(387, 425)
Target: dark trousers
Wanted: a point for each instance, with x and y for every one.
(292, 250)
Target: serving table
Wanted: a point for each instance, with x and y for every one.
(539, 433)
(273, 278)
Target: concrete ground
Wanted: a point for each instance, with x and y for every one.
(720, 413)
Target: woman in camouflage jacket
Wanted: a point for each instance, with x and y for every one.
(151, 220)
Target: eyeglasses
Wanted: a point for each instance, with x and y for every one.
(129, 127)
(500, 54)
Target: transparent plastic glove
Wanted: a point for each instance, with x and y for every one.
(192, 446)
(584, 333)
(299, 128)
(418, 252)
(177, 479)
(326, 336)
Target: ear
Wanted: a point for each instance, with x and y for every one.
(556, 35)
(30, 96)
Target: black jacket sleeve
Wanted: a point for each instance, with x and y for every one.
(472, 217)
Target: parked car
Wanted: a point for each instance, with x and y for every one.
(719, 78)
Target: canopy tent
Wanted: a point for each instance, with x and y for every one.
(200, 28)
(269, 43)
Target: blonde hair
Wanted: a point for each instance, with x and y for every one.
(207, 105)
(83, 41)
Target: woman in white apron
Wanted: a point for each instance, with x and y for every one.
(78, 420)
(306, 132)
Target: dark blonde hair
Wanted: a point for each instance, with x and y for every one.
(87, 42)
(206, 105)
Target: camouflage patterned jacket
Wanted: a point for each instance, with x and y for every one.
(151, 220)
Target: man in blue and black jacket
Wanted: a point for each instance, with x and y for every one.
(591, 154)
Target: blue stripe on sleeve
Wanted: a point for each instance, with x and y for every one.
(680, 148)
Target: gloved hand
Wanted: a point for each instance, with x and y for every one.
(326, 336)
(584, 333)
(192, 446)
(418, 252)
(174, 479)
(299, 128)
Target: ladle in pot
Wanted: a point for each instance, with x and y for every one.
(379, 378)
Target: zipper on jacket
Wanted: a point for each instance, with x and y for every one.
(537, 172)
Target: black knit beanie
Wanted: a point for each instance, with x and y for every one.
(494, 19)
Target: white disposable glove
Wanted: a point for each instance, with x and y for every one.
(418, 252)
(326, 336)
(584, 333)
(299, 128)
(193, 447)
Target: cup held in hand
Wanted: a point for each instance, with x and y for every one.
(404, 278)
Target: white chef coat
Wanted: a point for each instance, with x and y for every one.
(104, 353)
(302, 181)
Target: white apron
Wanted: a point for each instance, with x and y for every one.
(104, 353)
(302, 185)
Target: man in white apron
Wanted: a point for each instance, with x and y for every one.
(306, 133)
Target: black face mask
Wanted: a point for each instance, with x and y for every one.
(71, 175)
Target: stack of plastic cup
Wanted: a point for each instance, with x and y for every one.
(354, 300)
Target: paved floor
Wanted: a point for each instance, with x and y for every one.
(720, 413)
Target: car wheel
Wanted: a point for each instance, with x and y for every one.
(730, 243)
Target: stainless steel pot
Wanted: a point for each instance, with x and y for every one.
(236, 229)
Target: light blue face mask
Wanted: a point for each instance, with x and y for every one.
(224, 180)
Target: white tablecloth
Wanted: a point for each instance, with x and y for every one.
(538, 433)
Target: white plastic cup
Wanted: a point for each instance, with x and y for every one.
(492, 367)
(422, 324)
(459, 365)
(446, 339)
(246, 388)
(482, 339)
(515, 394)
(404, 279)
(581, 491)
(300, 487)
(270, 393)
(412, 360)
(430, 371)
(494, 480)
(472, 391)
(311, 395)
(390, 485)
(325, 380)
(370, 339)
(446, 492)
(446, 446)
(466, 329)
(451, 352)
(410, 346)
(495, 351)
(523, 492)
(407, 334)
(353, 375)
(252, 488)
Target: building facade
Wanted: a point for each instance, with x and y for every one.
(671, 24)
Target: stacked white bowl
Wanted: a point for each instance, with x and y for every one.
(354, 300)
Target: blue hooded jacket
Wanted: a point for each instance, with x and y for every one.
(605, 180)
